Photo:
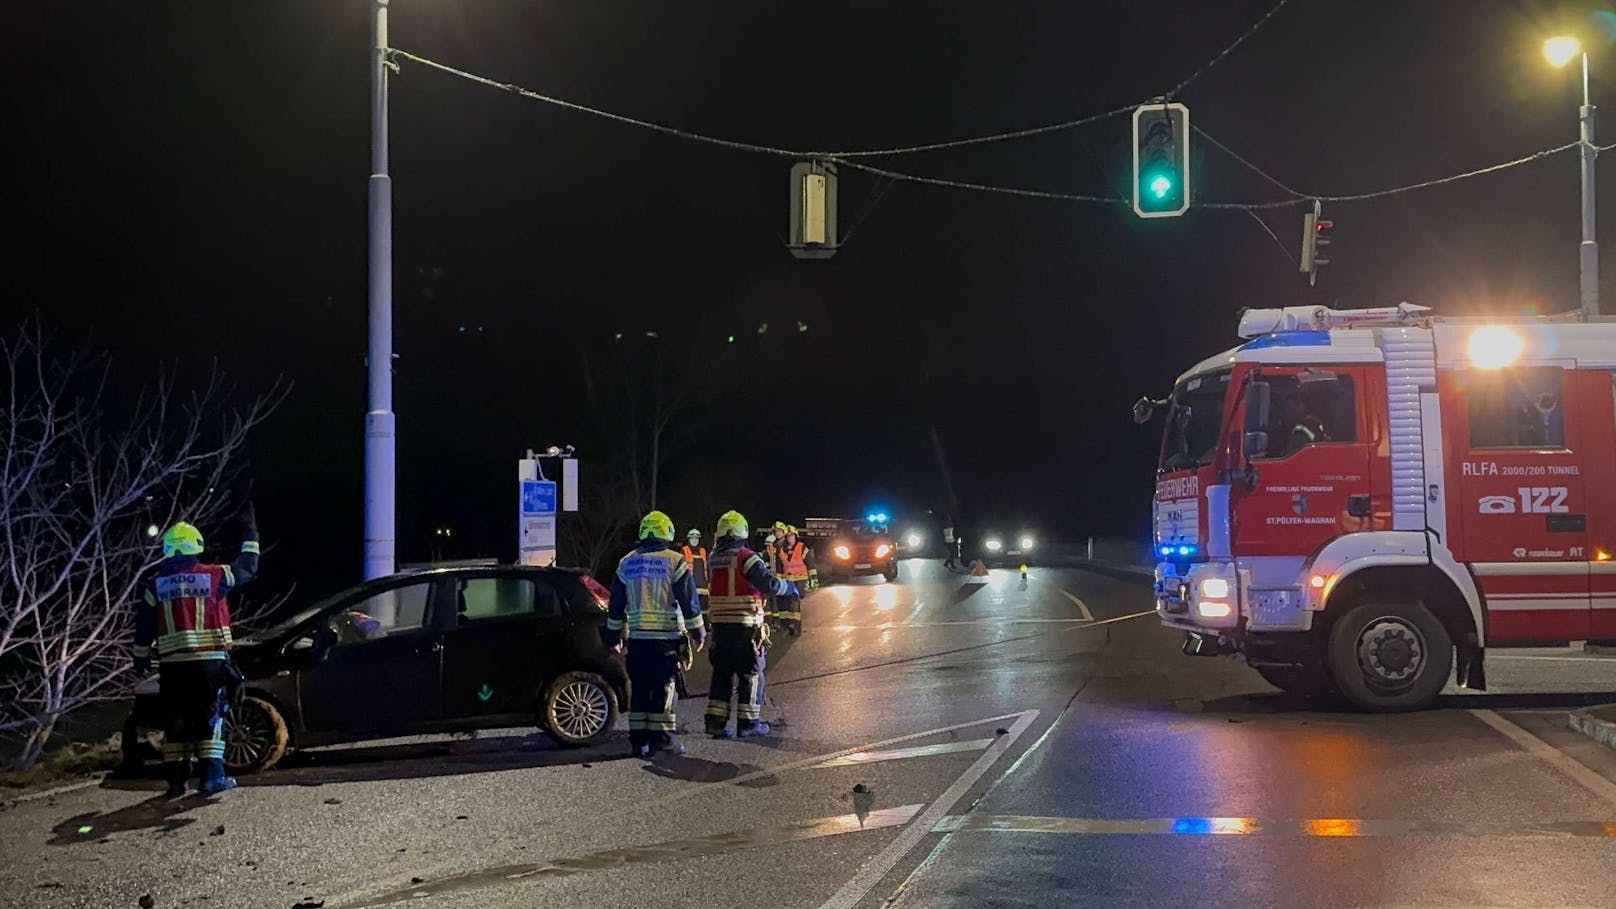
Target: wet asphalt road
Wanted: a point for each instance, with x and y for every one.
(939, 743)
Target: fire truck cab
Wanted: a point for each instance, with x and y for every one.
(1364, 501)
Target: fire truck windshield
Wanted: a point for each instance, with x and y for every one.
(1194, 420)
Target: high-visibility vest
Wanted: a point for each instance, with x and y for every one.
(193, 616)
(697, 560)
(648, 579)
(794, 562)
(731, 598)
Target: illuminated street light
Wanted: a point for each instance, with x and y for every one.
(1559, 51)
(1562, 50)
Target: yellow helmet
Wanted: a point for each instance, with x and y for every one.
(182, 539)
(658, 525)
(791, 530)
(731, 524)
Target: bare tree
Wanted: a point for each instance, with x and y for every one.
(602, 527)
(80, 489)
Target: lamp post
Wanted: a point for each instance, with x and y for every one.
(380, 427)
(1560, 51)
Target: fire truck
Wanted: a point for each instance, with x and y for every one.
(1362, 502)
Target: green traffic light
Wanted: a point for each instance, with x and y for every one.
(1161, 186)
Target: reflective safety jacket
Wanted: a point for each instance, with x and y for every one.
(794, 561)
(654, 594)
(697, 560)
(183, 614)
(740, 583)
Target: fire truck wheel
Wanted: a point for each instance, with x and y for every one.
(1303, 681)
(1390, 653)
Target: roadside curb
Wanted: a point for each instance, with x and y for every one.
(1601, 731)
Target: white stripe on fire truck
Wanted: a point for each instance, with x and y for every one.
(1506, 569)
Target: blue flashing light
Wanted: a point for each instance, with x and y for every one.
(1289, 339)
(1179, 549)
(1195, 826)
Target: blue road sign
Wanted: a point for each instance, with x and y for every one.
(538, 497)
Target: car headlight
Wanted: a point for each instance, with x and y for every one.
(993, 545)
(843, 553)
(914, 539)
(882, 550)
(1026, 542)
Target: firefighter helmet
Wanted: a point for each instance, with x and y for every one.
(182, 539)
(731, 524)
(693, 534)
(658, 525)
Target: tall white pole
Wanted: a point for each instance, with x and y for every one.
(380, 456)
(1588, 252)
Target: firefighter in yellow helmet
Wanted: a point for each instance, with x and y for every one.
(795, 562)
(771, 559)
(654, 603)
(739, 584)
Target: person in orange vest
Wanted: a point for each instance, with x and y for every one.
(696, 558)
(795, 561)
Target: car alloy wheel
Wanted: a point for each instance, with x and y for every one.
(255, 736)
(581, 709)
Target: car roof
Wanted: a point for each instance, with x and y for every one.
(452, 571)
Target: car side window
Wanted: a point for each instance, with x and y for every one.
(397, 611)
(492, 599)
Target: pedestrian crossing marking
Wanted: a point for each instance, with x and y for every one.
(1247, 826)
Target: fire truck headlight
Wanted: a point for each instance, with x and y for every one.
(1494, 346)
(914, 540)
(882, 550)
(842, 552)
(1214, 609)
(1026, 542)
(1215, 588)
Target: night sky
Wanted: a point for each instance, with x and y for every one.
(188, 181)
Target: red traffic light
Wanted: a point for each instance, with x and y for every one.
(1322, 226)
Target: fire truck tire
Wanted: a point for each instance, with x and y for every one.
(1389, 653)
(1303, 681)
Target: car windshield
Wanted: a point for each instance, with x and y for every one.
(861, 530)
(1194, 420)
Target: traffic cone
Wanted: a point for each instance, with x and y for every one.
(979, 571)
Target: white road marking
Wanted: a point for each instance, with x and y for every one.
(875, 869)
(1120, 618)
(885, 626)
(48, 793)
(1081, 606)
(1550, 755)
(899, 754)
(1565, 659)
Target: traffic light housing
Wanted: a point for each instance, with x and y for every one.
(1161, 160)
(1315, 234)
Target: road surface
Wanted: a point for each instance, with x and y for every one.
(940, 743)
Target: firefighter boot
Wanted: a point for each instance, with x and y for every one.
(751, 729)
(214, 780)
(179, 773)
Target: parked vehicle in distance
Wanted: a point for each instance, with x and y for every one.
(439, 650)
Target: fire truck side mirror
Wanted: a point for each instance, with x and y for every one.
(1255, 440)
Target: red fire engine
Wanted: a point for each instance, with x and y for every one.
(1364, 501)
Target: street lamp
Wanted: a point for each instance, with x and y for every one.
(380, 424)
(1559, 51)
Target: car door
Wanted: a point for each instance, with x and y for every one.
(1312, 481)
(501, 646)
(375, 663)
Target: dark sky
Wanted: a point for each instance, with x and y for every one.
(188, 180)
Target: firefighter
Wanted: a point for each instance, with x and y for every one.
(1305, 427)
(741, 582)
(771, 561)
(794, 564)
(183, 622)
(696, 559)
(654, 601)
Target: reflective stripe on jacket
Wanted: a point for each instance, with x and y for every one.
(653, 594)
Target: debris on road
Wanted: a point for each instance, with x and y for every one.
(147, 901)
(218, 831)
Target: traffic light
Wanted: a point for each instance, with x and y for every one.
(1315, 233)
(1161, 160)
(813, 210)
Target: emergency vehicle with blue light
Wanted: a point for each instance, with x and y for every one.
(1364, 502)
